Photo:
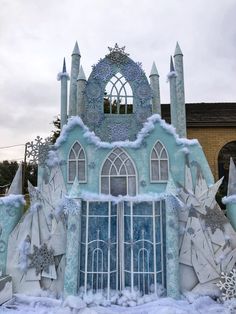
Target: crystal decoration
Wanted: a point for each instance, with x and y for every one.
(41, 258)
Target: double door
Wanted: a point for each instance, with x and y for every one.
(122, 245)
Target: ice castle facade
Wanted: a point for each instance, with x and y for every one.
(123, 198)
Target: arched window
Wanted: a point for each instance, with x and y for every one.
(77, 163)
(118, 175)
(159, 163)
(118, 96)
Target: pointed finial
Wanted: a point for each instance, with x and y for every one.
(154, 70)
(75, 189)
(172, 69)
(81, 75)
(76, 50)
(178, 50)
(64, 66)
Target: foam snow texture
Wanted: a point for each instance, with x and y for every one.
(60, 75)
(171, 74)
(229, 199)
(147, 127)
(12, 200)
(87, 196)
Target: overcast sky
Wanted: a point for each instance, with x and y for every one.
(36, 35)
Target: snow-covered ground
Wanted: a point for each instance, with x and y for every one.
(44, 305)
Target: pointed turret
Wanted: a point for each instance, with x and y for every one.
(178, 51)
(173, 96)
(64, 66)
(81, 84)
(63, 77)
(154, 70)
(75, 65)
(178, 57)
(76, 50)
(154, 82)
(81, 75)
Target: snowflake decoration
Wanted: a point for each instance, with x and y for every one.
(12, 211)
(41, 258)
(93, 117)
(102, 70)
(142, 115)
(227, 285)
(70, 206)
(93, 90)
(214, 219)
(132, 72)
(144, 92)
(143, 183)
(92, 165)
(37, 151)
(118, 131)
(117, 54)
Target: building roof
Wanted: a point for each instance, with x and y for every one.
(206, 114)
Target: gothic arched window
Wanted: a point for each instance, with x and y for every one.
(118, 98)
(159, 163)
(77, 163)
(118, 175)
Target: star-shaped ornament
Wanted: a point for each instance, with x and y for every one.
(117, 54)
(41, 258)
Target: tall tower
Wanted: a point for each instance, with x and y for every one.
(154, 82)
(75, 65)
(181, 112)
(172, 76)
(63, 77)
(81, 84)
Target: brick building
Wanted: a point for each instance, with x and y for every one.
(214, 125)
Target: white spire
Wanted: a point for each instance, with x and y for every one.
(154, 70)
(178, 51)
(81, 75)
(76, 50)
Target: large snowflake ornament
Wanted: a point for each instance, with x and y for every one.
(102, 70)
(227, 285)
(70, 206)
(132, 72)
(41, 258)
(37, 150)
